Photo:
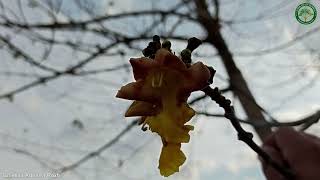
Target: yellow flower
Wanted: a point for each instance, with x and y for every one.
(160, 95)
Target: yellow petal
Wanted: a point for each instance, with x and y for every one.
(171, 159)
(167, 83)
(186, 112)
(169, 123)
(141, 108)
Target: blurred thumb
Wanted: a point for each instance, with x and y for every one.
(269, 171)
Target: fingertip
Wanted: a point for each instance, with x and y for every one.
(273, 153)
(270, 140)
(285, 131)
(287, 137)
(268, 170)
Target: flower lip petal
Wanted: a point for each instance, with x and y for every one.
(171, 158)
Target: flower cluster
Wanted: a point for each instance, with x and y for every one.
(160, 92)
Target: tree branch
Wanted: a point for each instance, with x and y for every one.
(100, 149)
(84, 24)
(307, 121)
(214, 37)
(243, 135)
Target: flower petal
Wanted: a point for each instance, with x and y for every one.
(170, 124)
(167, 59)
(171, 158)
(137, 91)
(187, 113)
(161, 90)
(141, 108)
(142, 66)
(196, 78)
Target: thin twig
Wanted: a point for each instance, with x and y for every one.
(99, 150)
(243, 135)
(306, 121)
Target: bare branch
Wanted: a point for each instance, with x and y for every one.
(18, 52)
(279, 47)
(84, 24)
(100, 149)
(215, 38)
(217, 8)
(244, 135)
(304, 122)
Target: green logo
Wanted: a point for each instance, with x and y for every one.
(306, 13)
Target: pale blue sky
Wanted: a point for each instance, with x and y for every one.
(39, 120)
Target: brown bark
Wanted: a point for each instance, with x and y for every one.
(237, 81)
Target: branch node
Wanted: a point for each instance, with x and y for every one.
(245, 136)
(9, 97)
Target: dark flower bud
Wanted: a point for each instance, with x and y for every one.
(186, 56)
(193, 43)
(156, 38)
(167, 45)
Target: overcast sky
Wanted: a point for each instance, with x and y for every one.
(40, 120)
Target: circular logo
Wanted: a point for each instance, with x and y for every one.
(306, 13)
